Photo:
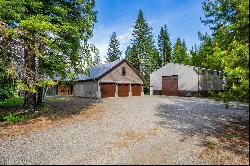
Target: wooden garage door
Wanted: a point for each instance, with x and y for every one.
(170, 85)
(107, 90)
(136, 89)
(123, 90)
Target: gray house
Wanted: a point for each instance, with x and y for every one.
(184, 80)
(113, 79)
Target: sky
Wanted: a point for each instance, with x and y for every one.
(182, 18)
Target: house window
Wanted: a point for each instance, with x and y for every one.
(123, 71)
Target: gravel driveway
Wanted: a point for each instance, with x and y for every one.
(135, 130)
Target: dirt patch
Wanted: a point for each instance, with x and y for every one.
(128, 138)
(230, 146)
(21, 128)
(220, 156)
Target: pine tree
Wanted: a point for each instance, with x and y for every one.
(164, 45)
(179, 54)
(194, 57)
(142, 50)
(50, 33)
(132, 57)
(97, 59)
(113, 51)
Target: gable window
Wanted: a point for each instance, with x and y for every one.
(123, 71)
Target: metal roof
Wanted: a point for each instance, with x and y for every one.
(98, 71)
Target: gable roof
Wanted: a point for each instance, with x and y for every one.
(101, 70)
(98, 70)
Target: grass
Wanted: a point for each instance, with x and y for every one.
(210, 144)
(15, 101)
(10, 114)
(230, 135)
(52, 99)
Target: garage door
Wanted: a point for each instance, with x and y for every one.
(136, 89)
(123, 90)
(107, 90)
(170, 85)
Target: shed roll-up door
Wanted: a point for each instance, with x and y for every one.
(170, 85)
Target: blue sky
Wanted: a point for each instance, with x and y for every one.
(182, 18)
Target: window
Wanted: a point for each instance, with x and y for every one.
(123, 71)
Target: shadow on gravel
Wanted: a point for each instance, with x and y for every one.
(65, 106)
(203, 117)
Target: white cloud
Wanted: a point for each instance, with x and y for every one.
(125, 39)
(101, 39)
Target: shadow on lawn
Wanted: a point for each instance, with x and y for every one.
(66, 106)
(203, 117)
(52, 108)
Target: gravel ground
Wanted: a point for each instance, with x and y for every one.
(134, 130)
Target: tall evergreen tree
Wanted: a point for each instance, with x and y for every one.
(132, 56)
(164, 45)
(113, 51)
(50, 34)
(143, 48)
(97, 59)
(179, 54)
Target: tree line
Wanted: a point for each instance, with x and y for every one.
(44, 40)
(41, 41)
(144, 53)
(226, 49)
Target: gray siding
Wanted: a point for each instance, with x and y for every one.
(116, 75)
(86, 89)
(188, 78)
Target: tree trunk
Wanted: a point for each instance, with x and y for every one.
(40, 95)
(30, 73)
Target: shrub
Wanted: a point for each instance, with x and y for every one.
(15, 101)
(12, 118)
(16, 117)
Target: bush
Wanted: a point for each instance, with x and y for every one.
(12, 118)
(16, 117)
(15, 101)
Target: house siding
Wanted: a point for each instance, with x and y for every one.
(86, 89)
(116, 75)
(64, 89)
